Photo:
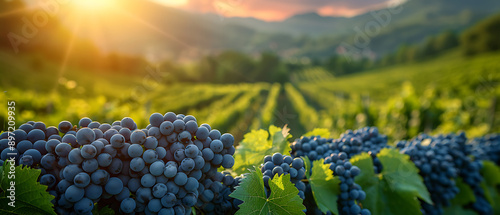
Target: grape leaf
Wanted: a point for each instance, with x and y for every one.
(465, 195)
(279, 139)
(283, 199)
(258, 143)
(491, 174)
(398, 184)
(458, 210)
(325, 187)
(322, 132)
(30, 196)
(106, 210)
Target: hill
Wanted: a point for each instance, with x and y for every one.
(165, 32)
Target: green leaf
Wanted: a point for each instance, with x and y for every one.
(465, 195)
(325, 187)
(491, 174)
(396, 189)
(258, 143)
(106, 210)
(279, 139)
(283, 199)
(458, 210)
(30, 196)
(322, 132)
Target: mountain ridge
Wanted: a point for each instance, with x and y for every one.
(301, 35)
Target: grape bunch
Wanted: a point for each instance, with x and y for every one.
(433, 159)
(315, 147)
(351, 192)
(467, 167)
(487, 148)
(279, 164)
(366, 139)
(215, 198)
(159, 169)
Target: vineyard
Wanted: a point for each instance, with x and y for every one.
(400, 100)
(186, 107)
(316, 145)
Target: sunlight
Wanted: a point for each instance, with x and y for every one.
(93, 5)
(172, 2)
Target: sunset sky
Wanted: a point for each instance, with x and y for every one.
(275, 10)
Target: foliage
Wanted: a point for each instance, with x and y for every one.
(464, 197)
(268, 110)
(458, 210)
(406, 100)
(491, 184)
(259, 143)
(282, 200)
(322, 132)
(30, 196)
(398, 184)
(325, 187)
(103, 211)
(431, 47)
(308, 116)
(483, 37)
(466, 194)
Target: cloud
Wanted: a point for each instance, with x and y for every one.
(281, 9)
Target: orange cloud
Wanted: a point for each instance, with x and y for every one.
(276, 10)
(337, 11)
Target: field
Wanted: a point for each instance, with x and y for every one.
(402, 100)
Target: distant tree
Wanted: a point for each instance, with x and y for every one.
(207, 69)
(483, 37)
(446, 40)
(270, 68)
(339, 65)
(428, 48)
(234, 67)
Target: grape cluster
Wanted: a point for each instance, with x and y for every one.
(162, 169)
(432, 157)
(215, 198)
(366, 139)
(350, 191)
(315, 147)
(279, 164)
(467, 167)
(487, 148)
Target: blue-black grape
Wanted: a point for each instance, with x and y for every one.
(74, 193)
(127, 205)
(114, 186)
(161, 166)
(85, 136)
(93, 191)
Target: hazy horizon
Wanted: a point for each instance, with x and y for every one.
(278, 10)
